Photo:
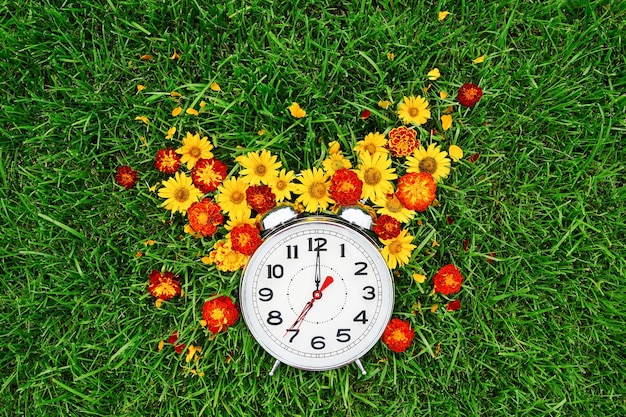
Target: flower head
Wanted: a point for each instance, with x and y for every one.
(163, 285)
(204, 217)
(232, 197)
(469, 94)
(282, 185)
(376, 173)
(167, 160)
(453, 305)
(391, 205)
(397, 251)
(179, 193)
(259, 167)
(126, 177)
(194, 148)
(414, 110)
(448, 280)
(398, 335)
(219, 314)
(245, 239)
(416, 190)
(372, 143)
(225, 258)
(335, 162)
(208, 174)
(296, 111)
(432, 160)
(402, 141)
(345, 187)
(313, 190)
(260, 198)
(387, 227)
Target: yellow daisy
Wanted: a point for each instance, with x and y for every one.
(282, 185)
(372, 143)
(179, 193)
(414, 110)
(376, 173)
(194, 148)
(335, 162)
(392, 206)
(397, 251)
(232, 197)
(432, 160)
(235, 221)
(313, 190)
(259, 167)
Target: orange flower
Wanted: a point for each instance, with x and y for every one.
(208, 174)
(387, 227)
(167, 160)
(260, 198)
(126, 177)
(402, 141)
(469, 94)
(245, 238)
(163, 285)
(345, 187)
(448, 280)
(219, 314)
(416, 190)
(204, 217)
(398, 335)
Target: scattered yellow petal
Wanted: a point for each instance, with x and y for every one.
(202, 323)
(153, 188)
(171, 132)
(261, 132)
(175, 55)
(391, 56)
(455, 153)
(480, 59)
(145, 142)
(433, 74)
(143, 119)
(443, 94)
(206, 260)
(442, 15)
(158, 303)
(384, 104)
(448, 110)
(435, 243)
(419, 222)
(175, 94)
(160, 345)
(215, 86)
(139, 254)
(446, 121)
(419, 278)
(202, 104)
(333, 147)
(140, 87)
(427, 88)
(146, 57)
(434, 308)
(296, 111)
(192, 111)
(191, 352)
(437, 349)
(149, 242)
(176, 111)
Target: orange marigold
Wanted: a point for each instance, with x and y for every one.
(219, 314)
(245, 238)
(345, 187)
(163, 285)
(402, 141)
(208, 174)
(416, 190)
(448, 280)
(204, 217)
(387, 227)
(167, 160)
(126, 177)
(260, 198)
(398, 335)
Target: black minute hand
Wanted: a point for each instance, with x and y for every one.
(318, 275)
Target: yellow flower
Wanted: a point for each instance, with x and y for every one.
(372, 143)
(140, 87)
(442, 15)
(170, 132)
(179, 193)
(376, 173)
(443, 94)
(296, 111)
(414, 110)
(192, 111)
(282, 185)
(225, 257)
(215, 86)
(194, 148)
(176, 111)
(390, 205)
(313, 190)
(384, 104)
(259, 167)
(480, 59)
(397, 251)
(335, 162)
(232, 197)
(432, 160)
(235, 221)
(434, 74)
(455, 153)
(446, 121)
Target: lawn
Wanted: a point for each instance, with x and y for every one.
(532, 214)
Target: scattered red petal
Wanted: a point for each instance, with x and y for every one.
(449, 219)
(365, 114)
(465, 245)
(492, 255)
(453, 305)
(473, 158)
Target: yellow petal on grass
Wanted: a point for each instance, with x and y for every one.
(158, 303)
(446, 121)
(296, 111)
(202, 104)
(143, 119)
(455, 153)
(215, 86)
(192, 111)
(480, 59)
(260, 132)
(442, 15)
(149, 242)
(176, 111)
(171, 132)
(175, 94)
(146, 57)
(419, 278)
(443, 94)
(140, 87)
(144, 141)
(391, 56)
(175, 55)
(160, 345)
(384, 104)
(433, 74)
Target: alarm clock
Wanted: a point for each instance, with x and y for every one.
(317, 293)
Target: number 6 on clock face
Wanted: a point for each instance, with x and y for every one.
(317, 294)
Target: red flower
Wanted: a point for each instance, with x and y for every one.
(454, 305)
(126, 177)
(345, 187)
(167, 160)
(204, 217)
(402, 141)
(163, 285)
(219, 314)
(448, 280)
(398, 335)
(387, 227)
(208, 174)
(469, 94)
(416, 190)
(260, 198)
(365, 114)
(245, 238)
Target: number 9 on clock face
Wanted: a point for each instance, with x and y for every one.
(317, 294)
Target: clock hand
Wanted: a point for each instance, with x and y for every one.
(318, 278)
(317, 294)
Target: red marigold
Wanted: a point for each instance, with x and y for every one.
(469, 94)
(402, 141)
(345, 187)
(219, 314)
(126, 177)
(448, 280)
(260, 198)
(163, 285)
(387, 227)
(167, 160)
(416, 190)
(398, 335)
(365, 114)
(453, 305)
(245, 238)
(204, 217)
(208, 174)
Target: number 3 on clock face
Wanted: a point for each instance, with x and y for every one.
(317, 294)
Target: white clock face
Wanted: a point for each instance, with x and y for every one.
(317, 294)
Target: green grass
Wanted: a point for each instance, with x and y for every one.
(541, 330)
